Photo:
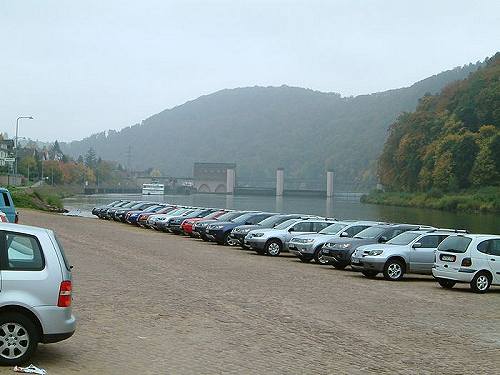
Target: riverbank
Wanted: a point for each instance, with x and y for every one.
(46, 198)
(484, 200)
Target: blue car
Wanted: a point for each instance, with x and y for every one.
(219, 231)
(132, 216)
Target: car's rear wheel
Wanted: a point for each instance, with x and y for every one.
(18, 339)
(319, 258)
(370, 274)
(446, 283)
(481, 282)
(273, 248)
(229, 241)
(394, 270)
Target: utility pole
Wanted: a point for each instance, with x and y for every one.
(17, 146)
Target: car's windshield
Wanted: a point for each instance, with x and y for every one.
(286, 224)
(333, 229)
(212, 215)
(140, 205)
(272, 220)
(113, 204)
(152, 208)
(371, 232)
(403, 238)
(228, 216)
(178, 211)
(166, 209)
(128, 205)
(455, 244)
(243, 218)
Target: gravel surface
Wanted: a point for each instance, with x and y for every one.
(154, 303)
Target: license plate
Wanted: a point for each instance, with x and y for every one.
(448, 258)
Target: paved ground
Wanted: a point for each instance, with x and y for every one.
(153, 303)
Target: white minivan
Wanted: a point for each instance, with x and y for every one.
(468, 258)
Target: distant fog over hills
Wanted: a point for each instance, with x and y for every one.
(262, 128)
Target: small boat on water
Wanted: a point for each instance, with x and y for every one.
(153, 189)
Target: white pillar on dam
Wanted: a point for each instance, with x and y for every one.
(329, 184)
(230, 181)
(280, 182)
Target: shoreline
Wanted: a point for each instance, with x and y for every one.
(485, 200)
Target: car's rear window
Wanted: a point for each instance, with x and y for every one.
(455, 244)
(61, 249)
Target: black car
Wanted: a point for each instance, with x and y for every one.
(340, 250)
(200, 228)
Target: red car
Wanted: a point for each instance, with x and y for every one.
(187, 225)
(143, 218)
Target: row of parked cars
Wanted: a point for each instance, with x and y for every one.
(393, 250)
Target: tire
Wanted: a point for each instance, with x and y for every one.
(370, 274)
(318, 257)
(304, 260)
(339, 266)
(228, 241)
(446, 283)
(481, 282)
(273, 248)
(204, 238)
(394, 270)
(21, 334)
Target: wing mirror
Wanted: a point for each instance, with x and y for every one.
(383, 239)
(417, 245)
(344, 234)
(291, 229)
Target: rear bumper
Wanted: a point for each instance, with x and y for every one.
(464, 276)
(56, 337)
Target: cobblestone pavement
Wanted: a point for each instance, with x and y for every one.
(154, 303)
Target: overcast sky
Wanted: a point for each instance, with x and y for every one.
(80, 67)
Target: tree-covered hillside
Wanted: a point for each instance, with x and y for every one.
(452, 140)
(262, 128)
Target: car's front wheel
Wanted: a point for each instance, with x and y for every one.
(319, 258)
(480, 283)
(273, 248)
(394, 270)
(18, 339)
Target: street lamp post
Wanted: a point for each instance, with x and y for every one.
(17, 130)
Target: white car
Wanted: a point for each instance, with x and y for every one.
(468, 258)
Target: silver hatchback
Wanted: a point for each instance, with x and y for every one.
(35, 293)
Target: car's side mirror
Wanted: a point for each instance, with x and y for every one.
(417, 245)
(344, 234)
(248, 223)
(291, 229)
(383, 239)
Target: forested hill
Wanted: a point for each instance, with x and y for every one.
(452, 141)
(262, 128)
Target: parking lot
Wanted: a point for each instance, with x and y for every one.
(154, 303)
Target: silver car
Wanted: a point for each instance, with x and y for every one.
(35, 298)
(409, 252)
(308, 246)
(272, 241)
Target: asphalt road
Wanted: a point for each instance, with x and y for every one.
(154, 303)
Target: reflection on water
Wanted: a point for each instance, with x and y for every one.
(337, 207)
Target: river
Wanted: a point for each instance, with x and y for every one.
(339, 207)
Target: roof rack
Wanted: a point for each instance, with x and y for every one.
(450, 230)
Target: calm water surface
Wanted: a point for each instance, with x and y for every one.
(342, 208)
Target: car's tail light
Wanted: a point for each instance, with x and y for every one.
(64, 294)
(466, 262)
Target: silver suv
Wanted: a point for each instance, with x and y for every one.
(308, 246)
(35, 297)
(409, 252)
(272, 241)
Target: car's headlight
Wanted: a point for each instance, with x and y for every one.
(308, 240)
(375, 252)
(216, 227)
(342, 245)
(258, 234)
(244, 231)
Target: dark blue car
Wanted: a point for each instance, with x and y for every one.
(220, 231)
